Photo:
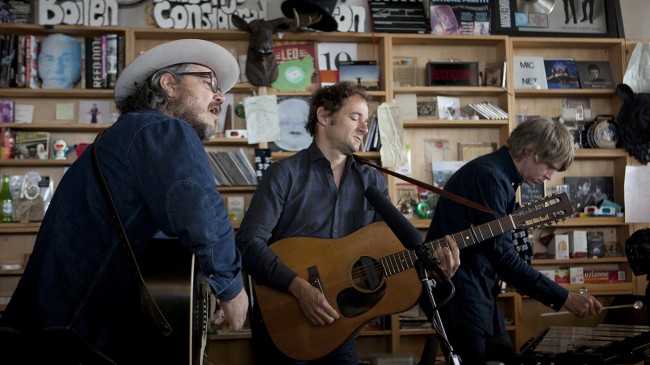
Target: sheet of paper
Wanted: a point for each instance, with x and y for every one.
(637, 201)
(391, 133)
(262, 120)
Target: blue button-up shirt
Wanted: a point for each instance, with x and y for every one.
(297, 197)
(491, 180)
(160, 179)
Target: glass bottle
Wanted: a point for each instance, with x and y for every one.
(405, 207)
(7, 202)
(424, 210)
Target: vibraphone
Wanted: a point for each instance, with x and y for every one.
(599, 345)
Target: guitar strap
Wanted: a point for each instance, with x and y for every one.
(431, 188)
(146, 299)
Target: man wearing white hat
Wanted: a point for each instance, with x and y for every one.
(78, 293)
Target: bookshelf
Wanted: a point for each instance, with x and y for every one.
(235, 348)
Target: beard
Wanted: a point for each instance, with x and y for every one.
(190, 113)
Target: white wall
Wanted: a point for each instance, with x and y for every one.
(635, 15)
(635, 18)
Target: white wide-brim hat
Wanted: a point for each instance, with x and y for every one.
(198, 51)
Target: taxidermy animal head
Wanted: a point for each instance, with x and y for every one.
(634, 122)
(261, 65)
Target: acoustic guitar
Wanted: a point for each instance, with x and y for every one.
(184, 298)
(366, 275)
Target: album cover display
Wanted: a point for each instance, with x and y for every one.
(297, 67)
(595, 75)
(561, 74)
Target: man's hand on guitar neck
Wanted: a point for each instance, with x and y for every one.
(313, 303)
(232, 312)
(448, 255)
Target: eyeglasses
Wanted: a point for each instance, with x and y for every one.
(592, 209)
(214, 83)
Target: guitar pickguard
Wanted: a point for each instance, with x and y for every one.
(353, 303)
(369, 287)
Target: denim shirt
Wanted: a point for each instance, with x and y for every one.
(297, 197)
(491, 180)
(160, 179)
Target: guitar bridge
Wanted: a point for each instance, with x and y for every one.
(314, 278)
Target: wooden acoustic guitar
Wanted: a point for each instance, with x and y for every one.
(366, 275)
(184, 298)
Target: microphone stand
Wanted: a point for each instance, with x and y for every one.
(425, 263)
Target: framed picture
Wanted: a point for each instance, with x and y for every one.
(405, 191)
(570, 18)
(468, 151)
(585, 191)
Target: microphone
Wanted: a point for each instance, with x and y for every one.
(401, 227)
(405, 232)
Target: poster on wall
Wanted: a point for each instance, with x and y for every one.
(568, 18)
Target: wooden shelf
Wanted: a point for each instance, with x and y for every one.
(599, 260)
(560, 93)
(58, 127)
(14, 92)
(452, 90)
(14, 228)
(441, 123)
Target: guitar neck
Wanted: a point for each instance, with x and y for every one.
(404, 260)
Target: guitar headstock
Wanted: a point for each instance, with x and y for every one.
(543, 212)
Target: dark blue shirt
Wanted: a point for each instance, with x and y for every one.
(491, 180)
(297, 197)
(160, 179)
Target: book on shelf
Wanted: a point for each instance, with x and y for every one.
(486, 110)
(7, 111)
(427, 108)
(448, 107)
(363, 73)
(93, 57)
(297, 67)
(31, 62)
(7, 62)
(529, 72)
(111, 60)
(19, 77)
(595, 75)
(236, 208)
(561, 73)
(232, 168)
(494, 73)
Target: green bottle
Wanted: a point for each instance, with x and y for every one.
(7, 203)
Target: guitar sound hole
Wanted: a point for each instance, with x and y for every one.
(367, 274)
